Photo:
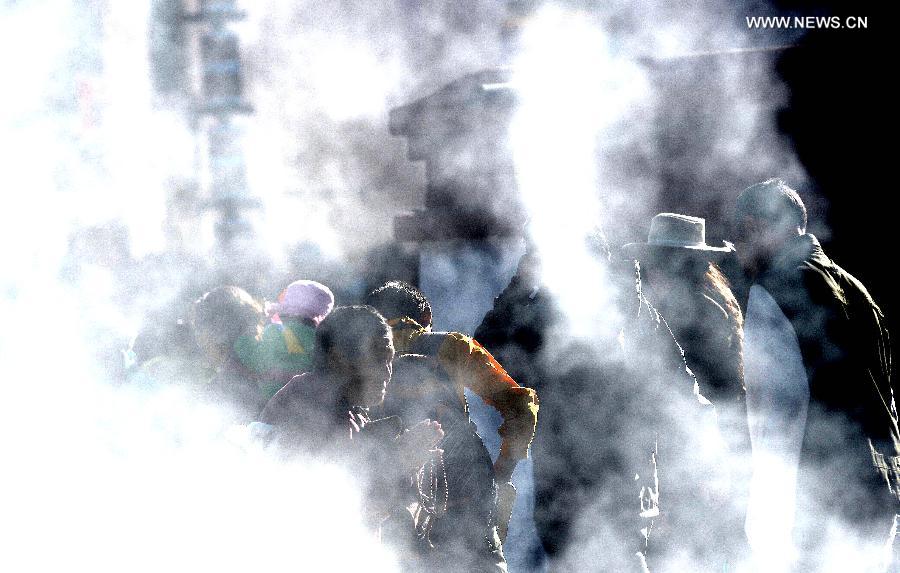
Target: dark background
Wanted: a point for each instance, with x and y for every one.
(839, 122)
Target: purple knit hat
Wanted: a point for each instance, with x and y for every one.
(302, 299)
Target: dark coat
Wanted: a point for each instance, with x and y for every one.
(710, 330)
(846, 352)
(612, 405)
(462, 531)
(707, 322)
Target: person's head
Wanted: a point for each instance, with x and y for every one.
(354, 348)
(222, 315)
(675, 253)
(767, 216)
(304, 300)
(165, 336)
(397, 299)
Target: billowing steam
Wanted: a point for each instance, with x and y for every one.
(103, 224)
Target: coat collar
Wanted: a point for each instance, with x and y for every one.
(799, 250)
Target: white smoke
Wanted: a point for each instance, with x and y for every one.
(102, 476)
(131, 479)
(597, 98)
(573, 91)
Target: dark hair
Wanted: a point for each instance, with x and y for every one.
(224, 313)
(774, 202)
(346, 331)
(700, 274)
(398, 299)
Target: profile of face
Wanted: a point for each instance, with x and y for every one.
(757, 243)
(369, 372)
(214, 352)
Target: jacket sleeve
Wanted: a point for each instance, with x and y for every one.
(472, 366)
(258, 354)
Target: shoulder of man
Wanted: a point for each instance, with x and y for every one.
(454, 346)
(428, 343)
(287, 402)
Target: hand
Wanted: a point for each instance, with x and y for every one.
(416, 445)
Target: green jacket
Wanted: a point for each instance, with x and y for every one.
(281, 352)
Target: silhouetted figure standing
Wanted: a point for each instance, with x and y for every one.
(220, 318)
(679, 275)
(450, 362)
(819, 393)
(620, 476)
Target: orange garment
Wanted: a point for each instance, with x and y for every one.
(470, 365)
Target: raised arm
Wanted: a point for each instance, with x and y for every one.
(473, 367)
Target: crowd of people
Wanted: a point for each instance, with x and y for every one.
(733, 409)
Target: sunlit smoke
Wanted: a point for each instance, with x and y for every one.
(575, 86)
(103, 476)
(143, 479)
(572, 88)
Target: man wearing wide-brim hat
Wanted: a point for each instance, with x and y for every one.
(681, 277)
(672, 233)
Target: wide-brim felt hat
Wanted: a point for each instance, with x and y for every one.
(675, 233)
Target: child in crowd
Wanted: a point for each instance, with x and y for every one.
(219, 319)
(285, 347)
